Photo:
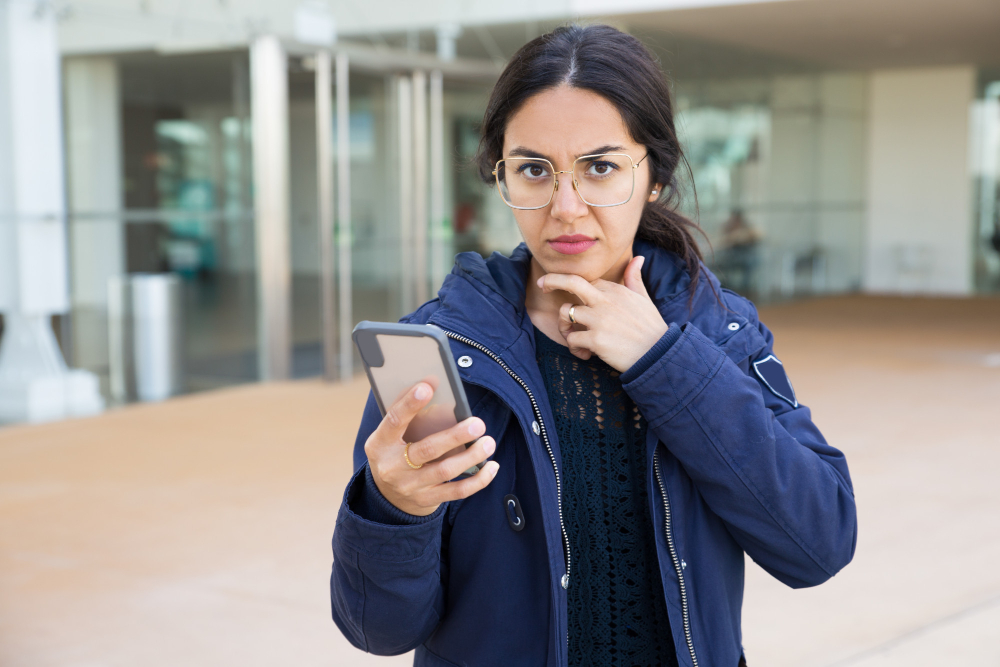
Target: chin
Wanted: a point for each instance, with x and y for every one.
(579, 265)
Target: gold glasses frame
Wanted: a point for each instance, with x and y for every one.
(576, 185)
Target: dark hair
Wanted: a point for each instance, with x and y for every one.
(616, 66)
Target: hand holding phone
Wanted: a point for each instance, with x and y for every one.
(427, 435)
(439, 457)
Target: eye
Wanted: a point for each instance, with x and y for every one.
(533, 170)
(600, 168)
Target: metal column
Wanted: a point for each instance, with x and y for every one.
(269, 118)
(437, 220)
(419, 187)
(405, 100)
(324, 175)
(344, 216)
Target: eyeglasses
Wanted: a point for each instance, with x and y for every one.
(528, 183)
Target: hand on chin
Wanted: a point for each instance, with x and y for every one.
(617, 322)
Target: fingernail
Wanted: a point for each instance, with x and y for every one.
(422, 392)
(477, 427)
(540, 281)
(492, 468)
(489, 446)
(642, 260)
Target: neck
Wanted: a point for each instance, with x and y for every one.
(538, 302)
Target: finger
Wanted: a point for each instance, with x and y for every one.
(398, 417)
(438, 444)
(581, 343)
(570, 283)
(464, 488)
(633, 275)
(581, 315)
(454, 451)
(452, 467)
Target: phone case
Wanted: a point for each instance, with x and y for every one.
(398, 356)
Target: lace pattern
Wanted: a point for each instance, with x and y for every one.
(617, 614)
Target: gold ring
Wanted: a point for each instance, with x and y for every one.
(406, 455)
(572, 319)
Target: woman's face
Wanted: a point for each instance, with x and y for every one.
(561, 124)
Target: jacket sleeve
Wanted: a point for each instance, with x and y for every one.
(386, 590)
(758, 462)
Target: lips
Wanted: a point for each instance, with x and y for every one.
(572, 244)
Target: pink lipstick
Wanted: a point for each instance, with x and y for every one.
(572, 244)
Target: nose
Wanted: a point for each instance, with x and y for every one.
(567, 205)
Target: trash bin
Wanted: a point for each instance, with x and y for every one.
(145, 336)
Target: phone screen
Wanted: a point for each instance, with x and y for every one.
(409, 360)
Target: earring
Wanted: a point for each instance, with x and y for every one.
(653, 192)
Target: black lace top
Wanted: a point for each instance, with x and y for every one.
(617, 613)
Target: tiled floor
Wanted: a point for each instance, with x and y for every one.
(196, 532)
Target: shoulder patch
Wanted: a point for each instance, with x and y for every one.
(772, 373)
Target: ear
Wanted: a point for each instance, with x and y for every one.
(655, 191)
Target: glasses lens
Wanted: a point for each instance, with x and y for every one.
(525, 182)
(604, 180)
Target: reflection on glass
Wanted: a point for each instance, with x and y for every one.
(778, 168)
(483, 223)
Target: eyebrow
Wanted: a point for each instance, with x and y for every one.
(521, 151)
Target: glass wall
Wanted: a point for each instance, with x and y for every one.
(181, 205)
(181, 198)
(481, 222)
(778, 166)
(473, 218)
(374, 217)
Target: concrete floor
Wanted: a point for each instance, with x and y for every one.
(197, 531)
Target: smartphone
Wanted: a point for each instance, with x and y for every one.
(398, 356)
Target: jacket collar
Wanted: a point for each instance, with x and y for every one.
(484, 298)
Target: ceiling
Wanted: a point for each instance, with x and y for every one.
(850, 34)
(760, 38)
(682, 55)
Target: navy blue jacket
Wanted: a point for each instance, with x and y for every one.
(733, 468)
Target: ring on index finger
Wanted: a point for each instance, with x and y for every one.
(406, 455)
(572, 314)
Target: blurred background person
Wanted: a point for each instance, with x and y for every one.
(737, 258)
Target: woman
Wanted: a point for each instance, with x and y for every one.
(642, 436)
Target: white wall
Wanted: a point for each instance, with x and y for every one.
(93, 122)
(919, 227)
(92, 108)
(841, 194)
(32, 202)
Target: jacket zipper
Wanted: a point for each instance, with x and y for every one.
(545, 439)
(676, 561)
